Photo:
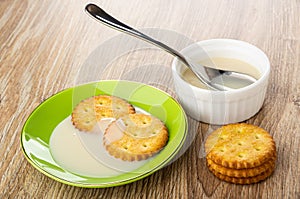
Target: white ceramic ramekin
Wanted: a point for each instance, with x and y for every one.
(222, 107)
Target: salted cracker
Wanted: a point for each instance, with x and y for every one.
(135, 137)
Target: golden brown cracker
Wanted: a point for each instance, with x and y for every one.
(241, 173)
(135, 137)
(247, 180)
(86, 114)
(240, 146)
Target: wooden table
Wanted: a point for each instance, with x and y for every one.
(46, 45)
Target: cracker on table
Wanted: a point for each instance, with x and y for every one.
(86, 114)
(247, 180)
(135, 137)
(240, 146)
(244, 173)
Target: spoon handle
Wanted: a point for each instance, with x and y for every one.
(110, 21)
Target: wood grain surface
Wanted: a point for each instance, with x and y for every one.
(46, 46)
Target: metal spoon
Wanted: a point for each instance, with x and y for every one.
(209, 76)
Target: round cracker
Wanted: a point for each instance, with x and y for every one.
(135, 137)
(249, 180)
(86, 114)
(241, 173)
(240, 146)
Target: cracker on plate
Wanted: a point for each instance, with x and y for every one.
(86, 114)
(135, 137)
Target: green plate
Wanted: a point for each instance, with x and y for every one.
(41, 123)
